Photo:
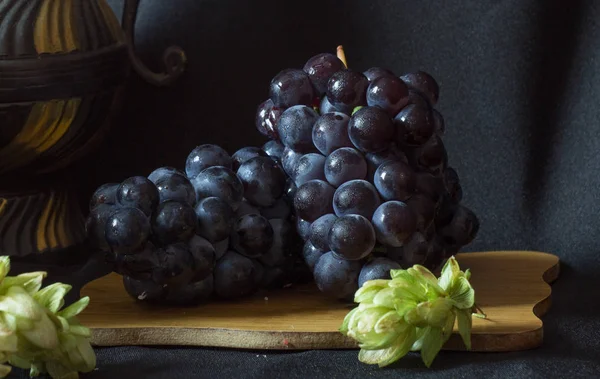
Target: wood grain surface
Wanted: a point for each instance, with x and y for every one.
(510, 286)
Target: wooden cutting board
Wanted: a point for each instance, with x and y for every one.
(510, 286)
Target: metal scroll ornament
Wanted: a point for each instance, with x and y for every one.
(63, 66)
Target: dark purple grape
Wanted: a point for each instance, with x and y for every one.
(377, 72)
(424, 209)
(176, 187)
(352, 237)
(173, 221)
(246, 208)
(395, 181)
(283, 237)
(219, 182)
(311, 255)
(95, 225)
(144, 290)
(289, 160)
(436, 254)
(290, 189)
(275, 277)
(313, 199)
(438, 122)
(281, 209)
(371, 129)
(319, 231)
(303, 228)
(138, 192)
(414, 251)
(445, 212)
(267, 116)
(461, 229)
(415, 125)
(326, 107)
(295, 128)
(291, 87)
(221, 248)
(252, 236)
(347, 89)
(337, 277)
(215, 218)
(330, 132)
(162, 172)
(452, 185)
(431, 156)
(343, 165)
(234, 276)
(204, 256)
(205, 156)
(105, 194)
(320, 68)
(246, 153)
(418, 99)
(191, 294)
(378, 268)
(356, 197)
(424, 83)
(126, 230)
(394, 222)
(429, 185)
(374, 160)
(388, 93)
(309, 167)
(273, 149)
(175, 265)
(263, 181)
(139, 265)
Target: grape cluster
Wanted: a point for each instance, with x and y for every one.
(222, 227)
(372, 188)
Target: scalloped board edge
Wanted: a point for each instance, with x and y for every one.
(512, 288)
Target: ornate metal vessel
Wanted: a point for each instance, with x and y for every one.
(63, 65)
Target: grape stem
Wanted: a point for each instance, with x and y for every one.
(479, 312)
(341, 55)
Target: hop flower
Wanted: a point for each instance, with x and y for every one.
(35, 333)
(413, 311)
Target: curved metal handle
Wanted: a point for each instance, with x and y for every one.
(174, 57)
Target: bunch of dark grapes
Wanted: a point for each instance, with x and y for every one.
(373, 188)
(222, 227)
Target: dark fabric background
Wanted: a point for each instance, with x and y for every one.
(520, 91)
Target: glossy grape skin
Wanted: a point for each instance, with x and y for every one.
(290, 189)
(263, 181)
(283, 234)
(429, 185)
(418, 99)
(126, 230)
(205, 156)
(388, 93)
(320, 68)
(424, 83)
(252, 236)
(461, 229)
(95, 225)
(267, 116)
(176, 187)
(295, 128)
(246, 153)
(191, 294)
(309, 167)
(281, 209)
(144, 290)
(204, 256)
(343, 165)
(176, 265)
(138, 192)
(352, 237)
(394, 222)
(371, 129)
(330, 132)
(234, 276)
(289, 160)
(219, 182)
(336, 277)
(439, 125)
(395, 181)
(414, 251)
(415, 125)
(378, 268)
(291, 87)
(273, 149)
(105, 194)
(139, 265)
(374, 160)
(431, 156)
(347, 89)
(356, 197)
(326, 107)
(215, 218)
(452, 184)
(221, 248)
(424, 209)
(311, 255)
(303, 228)
(162, 172)
(173, 221)
(377, 72)
(313, 199)
(319, 231)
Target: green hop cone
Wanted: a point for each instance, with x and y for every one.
(36, 333)
(413, 311)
